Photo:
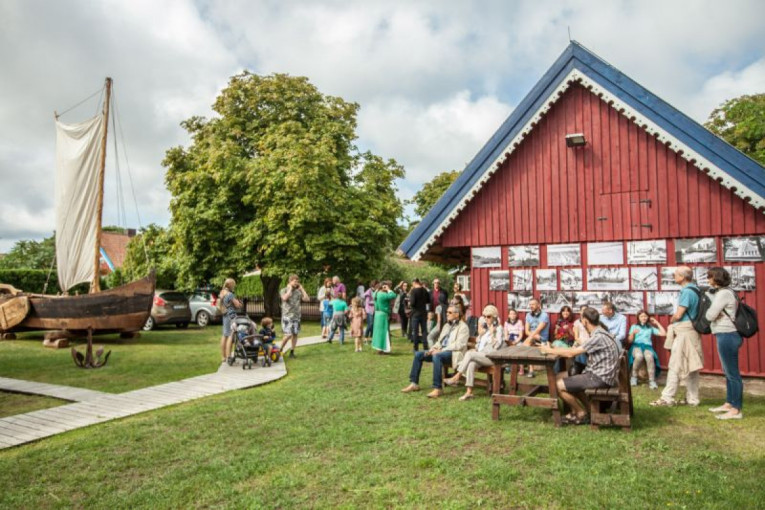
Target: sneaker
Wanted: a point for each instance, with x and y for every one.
(721, 409)
(662, 403)
(633, 381)
(292, 353)
(530, 374)
(652, 385)
(730, 416)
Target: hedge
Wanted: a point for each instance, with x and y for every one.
(33, 281)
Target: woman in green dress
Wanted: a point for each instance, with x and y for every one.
(381, 330)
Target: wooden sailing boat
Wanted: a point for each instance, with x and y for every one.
(78, 239)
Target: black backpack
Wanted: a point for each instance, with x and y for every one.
(746, 318)
(700, 322)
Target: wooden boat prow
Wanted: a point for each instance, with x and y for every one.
(13, 310)
(119, 310)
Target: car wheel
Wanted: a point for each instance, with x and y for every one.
(182, 325)
(203, 319)
(149, 324)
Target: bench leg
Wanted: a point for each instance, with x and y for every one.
(553, 389)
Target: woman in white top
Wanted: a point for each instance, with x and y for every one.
(729, 341)
(489, 339)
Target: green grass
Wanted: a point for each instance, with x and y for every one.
(336, 432)
(17, 403)
(163, 355)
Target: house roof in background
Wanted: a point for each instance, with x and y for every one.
(724, 163)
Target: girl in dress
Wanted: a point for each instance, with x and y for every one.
(358, 316)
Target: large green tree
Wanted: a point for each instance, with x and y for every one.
(431, 191)
(275, 181)
(152, 248)
(741, 123)
(30, 255)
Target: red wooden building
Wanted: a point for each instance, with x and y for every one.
(538, 213)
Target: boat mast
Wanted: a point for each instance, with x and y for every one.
(95, 285)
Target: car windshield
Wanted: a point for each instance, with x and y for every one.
(173, 296)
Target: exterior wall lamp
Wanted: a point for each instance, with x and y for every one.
(576, 140)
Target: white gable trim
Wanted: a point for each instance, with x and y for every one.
(576, 76)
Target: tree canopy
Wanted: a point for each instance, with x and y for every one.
(431, 191)
(741, 123)
(276, 181)
(30, 255)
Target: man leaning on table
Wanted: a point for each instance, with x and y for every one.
(602, 368)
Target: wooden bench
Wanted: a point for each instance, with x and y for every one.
(479, 382)
(613, 406)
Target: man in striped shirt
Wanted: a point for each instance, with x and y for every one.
(602, 366)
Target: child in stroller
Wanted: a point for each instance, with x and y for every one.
(247, 344)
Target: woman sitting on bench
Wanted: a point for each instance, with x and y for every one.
(489, 339)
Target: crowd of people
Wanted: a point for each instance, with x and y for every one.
(589, 346)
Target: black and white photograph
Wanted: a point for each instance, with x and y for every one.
(668, 279)
(547, 279)
(696, 251)
(523, 256)
(628, 302)
(519, 300)
(608, 278)
(741, 277)
(552, 301)
(591, 299)
(571, 279)
(487, 257)
(644, 278)
(662, 303)
(523, 279)
(743, 249)
(700, 276)
(499, 280)
(605, 254)
(647, 252)
(564, 255)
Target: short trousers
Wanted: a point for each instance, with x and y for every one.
(290, 326)
(227, 326)
(581, 382)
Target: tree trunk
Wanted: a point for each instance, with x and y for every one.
(271, 296)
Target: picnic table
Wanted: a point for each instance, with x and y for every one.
(523, 394)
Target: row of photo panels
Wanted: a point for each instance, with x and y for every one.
(687, 251)
(658, 303)
(611, 279)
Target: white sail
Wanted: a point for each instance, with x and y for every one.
(78, 155)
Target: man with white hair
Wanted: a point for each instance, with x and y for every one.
(687, 357)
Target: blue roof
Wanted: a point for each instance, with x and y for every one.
(689, 132)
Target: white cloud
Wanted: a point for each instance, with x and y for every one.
(434, 78)
(430, 139)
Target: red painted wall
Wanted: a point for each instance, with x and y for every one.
(623, 185)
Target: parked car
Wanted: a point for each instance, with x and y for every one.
(204, 307)
(169, 307)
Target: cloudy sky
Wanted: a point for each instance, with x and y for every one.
(434, 78)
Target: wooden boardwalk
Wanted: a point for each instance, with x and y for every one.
(92, 407)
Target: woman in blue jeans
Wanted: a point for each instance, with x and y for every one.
(721, 314)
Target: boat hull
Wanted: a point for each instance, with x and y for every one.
(119, 310)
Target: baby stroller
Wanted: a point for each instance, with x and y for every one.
(247, 344)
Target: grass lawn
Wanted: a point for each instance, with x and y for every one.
(17, 403)
(336, 432)
(160, 356)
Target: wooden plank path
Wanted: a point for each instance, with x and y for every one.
(91, 407)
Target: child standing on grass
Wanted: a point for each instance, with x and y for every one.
(326, 314)
(339, 311)
(358, 316)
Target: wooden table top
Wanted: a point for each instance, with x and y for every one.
(521, 352)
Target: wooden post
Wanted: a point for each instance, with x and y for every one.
(95, 285)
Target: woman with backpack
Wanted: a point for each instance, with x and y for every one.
(721, 314)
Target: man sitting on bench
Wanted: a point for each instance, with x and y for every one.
(450, 349)
(602, 366)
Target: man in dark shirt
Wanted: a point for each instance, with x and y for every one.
(439, 297)
(418, 302)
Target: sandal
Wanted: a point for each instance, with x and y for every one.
(662, 403)
(467, 396)
(575, 420)
(451, 381)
